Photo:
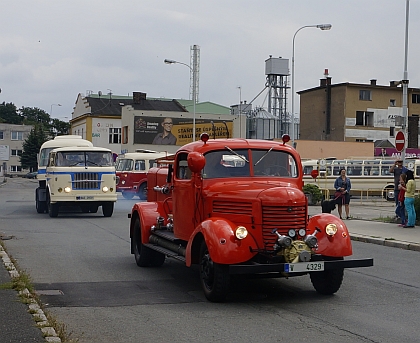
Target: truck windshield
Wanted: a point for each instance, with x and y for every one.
(84, 158)
(230, 164)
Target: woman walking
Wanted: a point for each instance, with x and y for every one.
(343, 185)
(410, 189)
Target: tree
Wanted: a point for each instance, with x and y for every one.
(31, 146)
(9, 114)
(35, 115)
(58, 127)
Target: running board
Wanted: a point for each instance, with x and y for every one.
(165, 251)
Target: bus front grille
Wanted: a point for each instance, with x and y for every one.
(86, 181)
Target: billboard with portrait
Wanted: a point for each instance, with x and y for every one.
(177, 131)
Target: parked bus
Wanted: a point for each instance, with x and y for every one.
(57, 142)
(371, 177)
(132, 169)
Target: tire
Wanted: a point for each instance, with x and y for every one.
(40, 205)
(107, 208)
(144, 256)
(128, 195)
(388, 193)
(142, 193)
(327, 282)
(93, 209)
(53, 209)
(214, 277)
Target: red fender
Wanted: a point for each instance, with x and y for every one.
(224, 247)
(338, 245)
(147, 213)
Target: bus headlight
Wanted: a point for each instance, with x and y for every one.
(105, 189)
(331, 229)
(67, 189)
(241, 232)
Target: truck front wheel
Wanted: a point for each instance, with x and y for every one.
(329, 281)
(214, 277)
(145, 257)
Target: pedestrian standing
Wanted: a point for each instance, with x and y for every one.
(343, 185)
(400, 210)
(397, 169)
(410, 189)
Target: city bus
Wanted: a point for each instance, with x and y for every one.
(44, 151)
(368, 177)
(132, 169)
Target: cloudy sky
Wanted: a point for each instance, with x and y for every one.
(52, 50)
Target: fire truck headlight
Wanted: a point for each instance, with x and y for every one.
(241, 232)
(331, 229)
(105, 189)
(67, 189)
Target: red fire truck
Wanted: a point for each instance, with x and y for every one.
(236, 206)
(132, 169)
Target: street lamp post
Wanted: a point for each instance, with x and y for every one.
(52, 108)
(194, 95)
(405, 83)
(321, 27)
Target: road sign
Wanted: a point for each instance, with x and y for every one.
(400, 141)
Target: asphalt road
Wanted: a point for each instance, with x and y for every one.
(82, 265)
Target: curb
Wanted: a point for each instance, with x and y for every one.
(38, 314)
(386, 242)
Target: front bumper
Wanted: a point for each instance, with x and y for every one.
(281, 268)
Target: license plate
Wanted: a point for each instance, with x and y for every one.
(87, 197)
(304, 267)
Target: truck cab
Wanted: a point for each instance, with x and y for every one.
(236, 206)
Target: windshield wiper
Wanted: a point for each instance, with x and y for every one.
(263, 156)
(235, 153)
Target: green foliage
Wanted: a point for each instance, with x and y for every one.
(31, 146)
(314, 191)
(9, 114)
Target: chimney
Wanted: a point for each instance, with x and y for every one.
(322, 82)
(373, 82)
(138, 97)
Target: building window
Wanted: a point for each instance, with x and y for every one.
(17, 136)
(16, 152)
(114, 135)
(15, 169)
(415, 98)
(365, 94)
(392, 103)
(1, 135)
(364, 118)
(125, 135)
(392, 131)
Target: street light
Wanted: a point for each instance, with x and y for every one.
(194, 72)
(52, 107)
(321, 27)
(405, 82)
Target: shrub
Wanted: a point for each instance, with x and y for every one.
(314, 191)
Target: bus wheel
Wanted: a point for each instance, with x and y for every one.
(107, 208)
(53, 209)
(40, 205)
(128, 195)
(143, 191)
(388, 193)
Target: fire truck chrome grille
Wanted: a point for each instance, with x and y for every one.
(86, 181)
(283, 219)
(227, 207)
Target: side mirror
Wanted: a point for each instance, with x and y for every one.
(196, 161)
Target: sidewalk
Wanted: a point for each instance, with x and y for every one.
(366, 225)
